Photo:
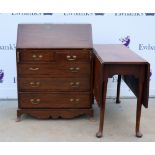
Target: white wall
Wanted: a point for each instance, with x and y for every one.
(107, 29)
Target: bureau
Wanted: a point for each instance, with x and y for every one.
(54, 70)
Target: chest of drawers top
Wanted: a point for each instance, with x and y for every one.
(54, 36)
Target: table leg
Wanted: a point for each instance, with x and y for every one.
(99, 134)
(138, 112)
(118, 89)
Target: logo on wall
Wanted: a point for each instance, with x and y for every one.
(84, 14)
(135, 14)
(99, 14)
(32, 14)
(146, 47)
(47, 14)
(8, 47)
(125, 41)
(1, 75)
(65, 14)
(129, 14)
(150, 14)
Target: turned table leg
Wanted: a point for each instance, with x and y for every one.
(118, 89)
(99, 134)
(138, 112)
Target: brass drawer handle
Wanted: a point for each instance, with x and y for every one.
(77, 99)
(35, 101)
(72, 69)
(37, 57)
(74, 84)
(74, 100)
(35, 84)
(74, 56)
(77, 83)
(71, 100)
(33, 69)
(71, 58)
(40, 56)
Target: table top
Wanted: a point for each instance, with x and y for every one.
(54, 36)
(117, 54)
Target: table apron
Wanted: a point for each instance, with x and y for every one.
(110, 70)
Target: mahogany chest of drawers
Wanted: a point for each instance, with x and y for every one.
(54, 70)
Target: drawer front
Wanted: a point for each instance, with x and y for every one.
(55, 70)
(49, 100)
(73, 56)
(54, 84)
(35, 56)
